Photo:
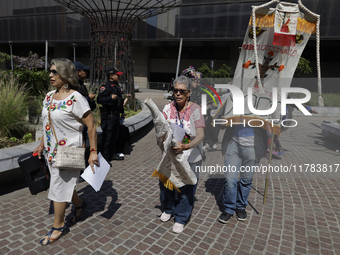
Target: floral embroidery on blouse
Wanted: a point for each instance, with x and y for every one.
(61, 105)
(62, 142)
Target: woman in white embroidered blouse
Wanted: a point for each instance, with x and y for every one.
(187, 115)
(69, 111)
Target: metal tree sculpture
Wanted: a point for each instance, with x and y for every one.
(111, 26)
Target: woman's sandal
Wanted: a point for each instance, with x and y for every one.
(76, 216)
(49, 240)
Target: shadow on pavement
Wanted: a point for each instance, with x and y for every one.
(214, 186)
(325, 142)
(12, 186)
(96, 201)
(138, 135)
(141, 133)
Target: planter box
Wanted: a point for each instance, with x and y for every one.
(331, 130)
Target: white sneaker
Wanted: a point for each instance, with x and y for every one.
(178, 228)
(215, 146)
(165, 217)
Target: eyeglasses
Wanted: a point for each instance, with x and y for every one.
(54, 72)
(181, 91)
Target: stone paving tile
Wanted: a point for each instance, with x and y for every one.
(301, 214)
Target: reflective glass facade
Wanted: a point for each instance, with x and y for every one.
(34, 20)
(40, 20)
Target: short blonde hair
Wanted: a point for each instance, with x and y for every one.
(67, 71)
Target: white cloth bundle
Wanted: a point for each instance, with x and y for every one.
(174, 169)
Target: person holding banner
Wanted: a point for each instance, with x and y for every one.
(186, 115)
(242, 146)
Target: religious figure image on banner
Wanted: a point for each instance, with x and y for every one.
(282, 34)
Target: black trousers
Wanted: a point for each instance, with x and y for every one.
(110, 128)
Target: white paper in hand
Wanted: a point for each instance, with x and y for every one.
(97, 178)
(178, 132)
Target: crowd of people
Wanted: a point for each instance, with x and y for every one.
(69, 106)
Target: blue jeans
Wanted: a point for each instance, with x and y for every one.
(193, 168)
(179, 203)
(237, 184)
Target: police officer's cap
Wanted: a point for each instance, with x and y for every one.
(113, 70)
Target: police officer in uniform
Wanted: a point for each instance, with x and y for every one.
(111, 98)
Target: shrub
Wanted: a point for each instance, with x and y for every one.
(32, 62)
(13, 105)
(4, 57)
(28, 137)
(38, 82)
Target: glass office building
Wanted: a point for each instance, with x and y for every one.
(211, 30)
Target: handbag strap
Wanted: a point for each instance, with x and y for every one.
(49, 118)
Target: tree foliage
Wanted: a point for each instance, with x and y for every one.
(223, 72)
(303, 66)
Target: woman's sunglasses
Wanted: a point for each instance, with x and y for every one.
(54, 72)
(181, 91)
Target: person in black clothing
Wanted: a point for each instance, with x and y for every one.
(82, 75)
(171, 85)
(111, 98)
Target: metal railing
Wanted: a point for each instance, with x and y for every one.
(159, 85)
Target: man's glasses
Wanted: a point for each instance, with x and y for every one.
(181, 91)
(54, 72)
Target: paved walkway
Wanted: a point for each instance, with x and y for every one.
(301, 214)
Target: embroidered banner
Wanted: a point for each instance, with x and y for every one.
(282, 34)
